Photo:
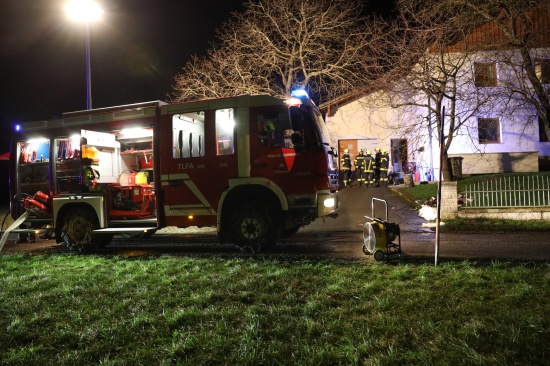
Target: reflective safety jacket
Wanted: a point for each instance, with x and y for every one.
(360, 161)
(369, 163)
(345, 162)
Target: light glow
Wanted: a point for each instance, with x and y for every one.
(225, 121)
(299, 93)
(38, 141)
(329, 202)
(83, 10)
(293, 101)
(134, 133)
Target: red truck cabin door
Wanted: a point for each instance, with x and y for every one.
(198, 156)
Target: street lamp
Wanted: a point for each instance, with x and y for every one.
(85, 11)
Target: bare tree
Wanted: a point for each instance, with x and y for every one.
(427, 75)
(522, 38)
(275, 46)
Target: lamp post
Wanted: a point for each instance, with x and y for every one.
(85, 11)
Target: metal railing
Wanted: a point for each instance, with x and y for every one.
(517, 191)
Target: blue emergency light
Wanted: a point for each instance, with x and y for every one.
(299, 93)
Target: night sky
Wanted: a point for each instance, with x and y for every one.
(136, 50)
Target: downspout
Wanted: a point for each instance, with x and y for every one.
(430, 137)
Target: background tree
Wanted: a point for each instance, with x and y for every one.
(522, 39)
(275, 46)
(427, 75)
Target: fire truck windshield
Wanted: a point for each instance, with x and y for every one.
(304, 118)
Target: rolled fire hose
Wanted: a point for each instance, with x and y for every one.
(15, 224)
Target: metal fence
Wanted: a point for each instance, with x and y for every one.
(517, 191)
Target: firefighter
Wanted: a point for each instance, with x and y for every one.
(377, 157)
(369, 170)
(345, 162)
(360, 166)
(266, 133)
(384, 163)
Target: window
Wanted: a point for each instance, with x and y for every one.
(488, 130)
(274, 129)
(225, 126)
(399, 153)
(485, 74)
(542, 68)
(188, 135)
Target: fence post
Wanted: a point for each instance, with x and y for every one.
(449, 200)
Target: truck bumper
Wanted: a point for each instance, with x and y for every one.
(327, 203)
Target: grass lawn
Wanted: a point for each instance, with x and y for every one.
(172, 310)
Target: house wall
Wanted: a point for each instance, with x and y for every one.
(373, 123)
(499, 162)
(372, 118)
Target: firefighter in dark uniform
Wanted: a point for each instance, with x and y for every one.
(377, 157)
(369, 169)
(384, 163)
(345, 162)
(360, 166)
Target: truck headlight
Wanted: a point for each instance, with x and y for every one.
(329, 202)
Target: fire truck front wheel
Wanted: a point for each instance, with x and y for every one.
(77, 230)
(253, 228)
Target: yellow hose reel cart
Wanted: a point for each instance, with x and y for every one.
(379, 236)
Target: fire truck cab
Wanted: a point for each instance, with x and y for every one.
(254, 166)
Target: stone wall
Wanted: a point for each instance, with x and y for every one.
(449, 200)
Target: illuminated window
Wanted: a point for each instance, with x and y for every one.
(225, 127)
(485, 74)
(488, 130)
(188, 135)
(542, 68)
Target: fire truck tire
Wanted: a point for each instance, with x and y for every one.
(77, 231)
(253, 228)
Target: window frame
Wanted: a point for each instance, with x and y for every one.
(485, 74)
(542, 70)
(485, 129)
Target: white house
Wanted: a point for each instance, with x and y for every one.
(500, 134)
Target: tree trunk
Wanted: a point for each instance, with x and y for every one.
(446, 166)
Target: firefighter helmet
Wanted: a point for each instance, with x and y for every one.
(368, 152)
(384, 152)
(360, 151)
(346, 151)
(376, 149)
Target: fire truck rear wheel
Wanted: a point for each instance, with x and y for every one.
(253, 229)
(77, 231)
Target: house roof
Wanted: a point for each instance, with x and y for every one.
(488, 36)
(491, 36)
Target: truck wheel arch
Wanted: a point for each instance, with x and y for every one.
(84, 210)
(237, 194)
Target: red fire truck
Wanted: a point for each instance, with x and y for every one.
(255, 167)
